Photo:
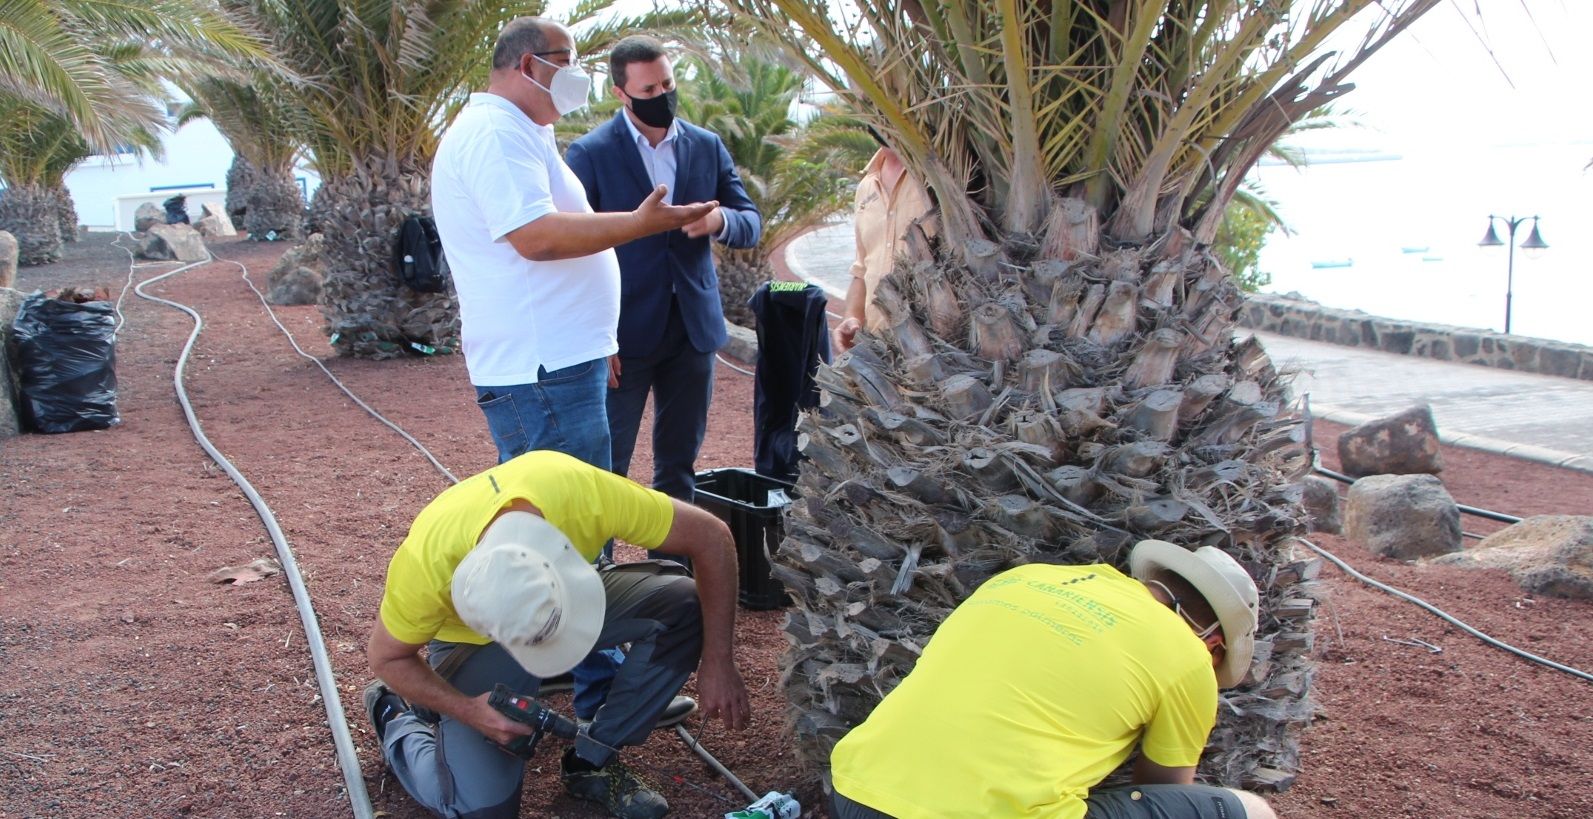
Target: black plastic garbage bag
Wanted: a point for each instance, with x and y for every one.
(66, 355)
(176, 210)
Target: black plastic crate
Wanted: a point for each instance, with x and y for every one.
(750, 504)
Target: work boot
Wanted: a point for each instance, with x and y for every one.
(381, 705)
(676, 712)
(621, 792)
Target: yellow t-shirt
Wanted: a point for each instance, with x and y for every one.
(589, 505)
(1030, 693)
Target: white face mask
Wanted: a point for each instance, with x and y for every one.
(572, 86)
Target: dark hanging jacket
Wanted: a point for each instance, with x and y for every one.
(793, 339)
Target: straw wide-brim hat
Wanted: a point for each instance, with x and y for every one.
(526, 587)
(1225, 585)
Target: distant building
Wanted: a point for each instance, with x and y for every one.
(107, 189)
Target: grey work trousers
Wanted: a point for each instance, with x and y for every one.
(455, 772)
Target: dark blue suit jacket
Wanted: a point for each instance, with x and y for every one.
(608, 164)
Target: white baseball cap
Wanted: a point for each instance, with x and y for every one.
(1226, 586)
(526, 587)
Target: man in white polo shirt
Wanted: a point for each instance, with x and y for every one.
(534, 267)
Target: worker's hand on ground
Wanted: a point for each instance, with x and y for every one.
(723, 693)
(659, 217)
(491, 724)
(709, 225)
(613, 371)
(844, 335)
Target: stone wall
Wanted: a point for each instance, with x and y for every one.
(1353, 328)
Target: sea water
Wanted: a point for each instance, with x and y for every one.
(1394, 233)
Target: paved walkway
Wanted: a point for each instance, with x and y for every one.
(1537, 417)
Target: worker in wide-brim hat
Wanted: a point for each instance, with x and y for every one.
(1046, 679)
(495, 581)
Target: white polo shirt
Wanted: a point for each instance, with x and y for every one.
(496, 171)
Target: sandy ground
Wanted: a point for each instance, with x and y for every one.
(135, 687)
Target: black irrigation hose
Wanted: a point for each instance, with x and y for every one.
(1470, 510)
(1410, 598)
(337, 720)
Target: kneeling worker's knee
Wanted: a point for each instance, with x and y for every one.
(681, 602)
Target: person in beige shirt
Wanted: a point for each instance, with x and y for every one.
(889, 200)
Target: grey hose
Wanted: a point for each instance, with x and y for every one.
(1410, 598)
(726, 362)
(701, 752)
(337, 721)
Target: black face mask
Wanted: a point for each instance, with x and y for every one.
(655, 112)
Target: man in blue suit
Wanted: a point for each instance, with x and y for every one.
(671, 320)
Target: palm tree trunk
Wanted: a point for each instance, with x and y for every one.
(1046, 401)
(368, 313)
(320, 209)
(274, 207)
(740, 273)
(32, 214)
(240, 181)
(67, 212)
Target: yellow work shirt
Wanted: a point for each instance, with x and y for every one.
(880, 222)
(1029, 694)
(589, 505)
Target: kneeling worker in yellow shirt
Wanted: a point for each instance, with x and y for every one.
(496, 580)
(1043, 682)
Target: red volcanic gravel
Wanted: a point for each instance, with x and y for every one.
(132, 686)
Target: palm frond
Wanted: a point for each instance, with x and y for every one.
(1151, 111)
(377, 81)
(77, 57)
(255, 116)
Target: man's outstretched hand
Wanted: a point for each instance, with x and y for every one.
(658, 217)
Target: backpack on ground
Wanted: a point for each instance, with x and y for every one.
(418, 255)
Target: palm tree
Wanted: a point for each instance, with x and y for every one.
(1058, 379)
(377, 83)
(61, 55)
(80, 76)
(259, 123)
(37, 149)
(797, 175)
(33, 141)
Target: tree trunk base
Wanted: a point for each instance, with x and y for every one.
(368, 313)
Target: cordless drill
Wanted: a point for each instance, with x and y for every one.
(528, 711)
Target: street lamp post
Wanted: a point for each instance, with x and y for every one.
(1534, 242)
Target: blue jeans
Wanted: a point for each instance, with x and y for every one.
(565, 411)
